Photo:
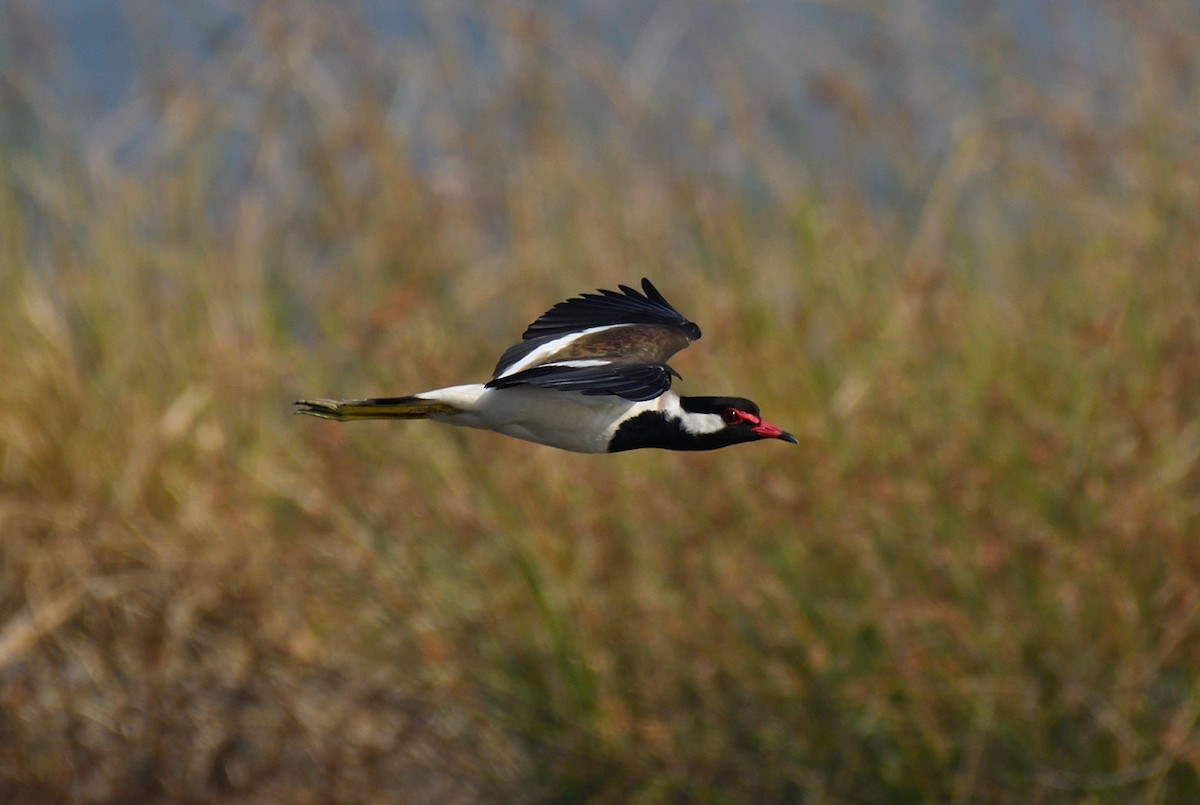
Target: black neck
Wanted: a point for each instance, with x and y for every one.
(655, 429)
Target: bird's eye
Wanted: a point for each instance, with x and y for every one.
(731, 416)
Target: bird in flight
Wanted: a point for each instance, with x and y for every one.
(590, 376)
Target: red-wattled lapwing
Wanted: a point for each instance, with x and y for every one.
(590, 375)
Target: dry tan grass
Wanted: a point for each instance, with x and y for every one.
(976, 579)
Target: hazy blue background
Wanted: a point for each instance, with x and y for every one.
(814, 63)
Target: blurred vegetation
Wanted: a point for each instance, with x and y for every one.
(977, 578)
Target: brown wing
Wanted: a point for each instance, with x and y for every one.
(624, 344)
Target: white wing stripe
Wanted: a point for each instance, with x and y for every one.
(576, 364)
(548, 350)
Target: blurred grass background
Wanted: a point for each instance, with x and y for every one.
(963, 266)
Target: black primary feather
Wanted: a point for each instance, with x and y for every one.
(610, 307)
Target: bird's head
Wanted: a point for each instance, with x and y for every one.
(694, 423)
(720, 421)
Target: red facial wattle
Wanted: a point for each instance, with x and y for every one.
(759, 427)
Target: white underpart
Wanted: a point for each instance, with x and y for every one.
(566, 420)
(548, 351)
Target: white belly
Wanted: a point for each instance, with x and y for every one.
(562, 419)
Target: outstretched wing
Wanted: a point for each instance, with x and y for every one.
(628, 328)
(630, 381)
